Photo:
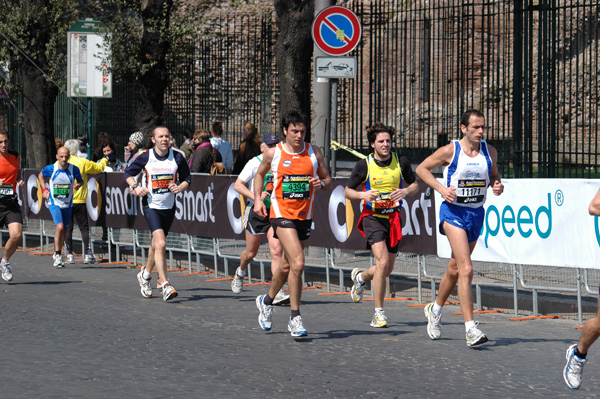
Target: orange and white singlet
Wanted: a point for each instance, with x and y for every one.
(9, 170)
(293, 195)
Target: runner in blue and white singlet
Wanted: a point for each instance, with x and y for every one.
(469, 176)
(470, 168)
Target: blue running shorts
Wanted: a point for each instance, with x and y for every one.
(60, 215)
(468, 219)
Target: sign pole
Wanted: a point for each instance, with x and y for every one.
(321, 96)
(334, 106)
(89, 128)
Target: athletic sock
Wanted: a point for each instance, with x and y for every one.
(268, 300)
(241, 273)
(379, 310)
(359, 279)
(469, 325)
(295, 313)
(579, 354)
(4, 261)
(147, 276)
(436, 309)
(57, 252)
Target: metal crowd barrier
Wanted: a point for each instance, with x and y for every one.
(409, 266)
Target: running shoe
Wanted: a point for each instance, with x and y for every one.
(264, 315)
(357, 289)
(89, 258)
(379, 320)
(168, 291)
(573, 371)
(434, 322)
(145, 287)
(58, 262)
(281, 298)
(237, 284)
(6, 271)
(70, 258)
(296, 327)
(475, 336)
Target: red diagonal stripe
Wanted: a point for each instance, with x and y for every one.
(334, 28)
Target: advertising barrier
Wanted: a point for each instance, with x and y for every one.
(537, 222)
(212, 208)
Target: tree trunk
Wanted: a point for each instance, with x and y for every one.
(293, 52)
(38, 116)
(153, 51)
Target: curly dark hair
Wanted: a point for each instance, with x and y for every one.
(379, 127)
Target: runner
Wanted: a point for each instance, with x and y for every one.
(59, 196)
(10, 211)
(79, 210)
(298, 170)
(161, 168)
(576, 353)
(470, 169)
(381, 176)
(256, 226)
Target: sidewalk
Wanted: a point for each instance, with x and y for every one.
(86, 332)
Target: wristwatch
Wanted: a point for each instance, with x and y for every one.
(322, 185)
(134, 186)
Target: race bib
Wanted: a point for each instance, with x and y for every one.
(269, 184)
(6, 190)
(470, 191)
(61, 191)
(160, 183)
(296, 187)
(384, 205)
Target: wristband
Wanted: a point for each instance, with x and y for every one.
(44, 189)
(322, 185)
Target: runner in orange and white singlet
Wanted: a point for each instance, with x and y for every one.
(298, 171)
(10, 211)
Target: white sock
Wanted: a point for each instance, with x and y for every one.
(241, 273)
(378, 310)
(436, 309)
(147, 276)
(4, 261)
(359, 279)
(469, 325)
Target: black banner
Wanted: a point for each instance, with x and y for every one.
(212, 208)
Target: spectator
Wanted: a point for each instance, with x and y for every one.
(173, 146)
(103, 138)
(249, 148)
(223, 146)
(82, 151)
(204, 155)
(186, 147)
(110, 152)
(134, 147)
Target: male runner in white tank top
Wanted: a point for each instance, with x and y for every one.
(470, 168)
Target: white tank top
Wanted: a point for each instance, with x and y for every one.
(157, 177)
(469, 176)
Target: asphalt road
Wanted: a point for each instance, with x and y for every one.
(86, 332)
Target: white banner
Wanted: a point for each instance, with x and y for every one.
(537, 222)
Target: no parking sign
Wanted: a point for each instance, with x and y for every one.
(336, 30)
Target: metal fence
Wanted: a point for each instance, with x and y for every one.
(532, 66)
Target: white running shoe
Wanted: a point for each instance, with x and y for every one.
(168, 291)
(356, 292)
(6, 271)
(265, 312)
(475, 336)
(89, 258)
(573, 371)
(58, 262)
(434, 322)
(379, 320)
(281, 298)
(145, 287)
(70, 258)
(296, 327)
(237, 284)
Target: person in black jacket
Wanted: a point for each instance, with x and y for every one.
(205, 154)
